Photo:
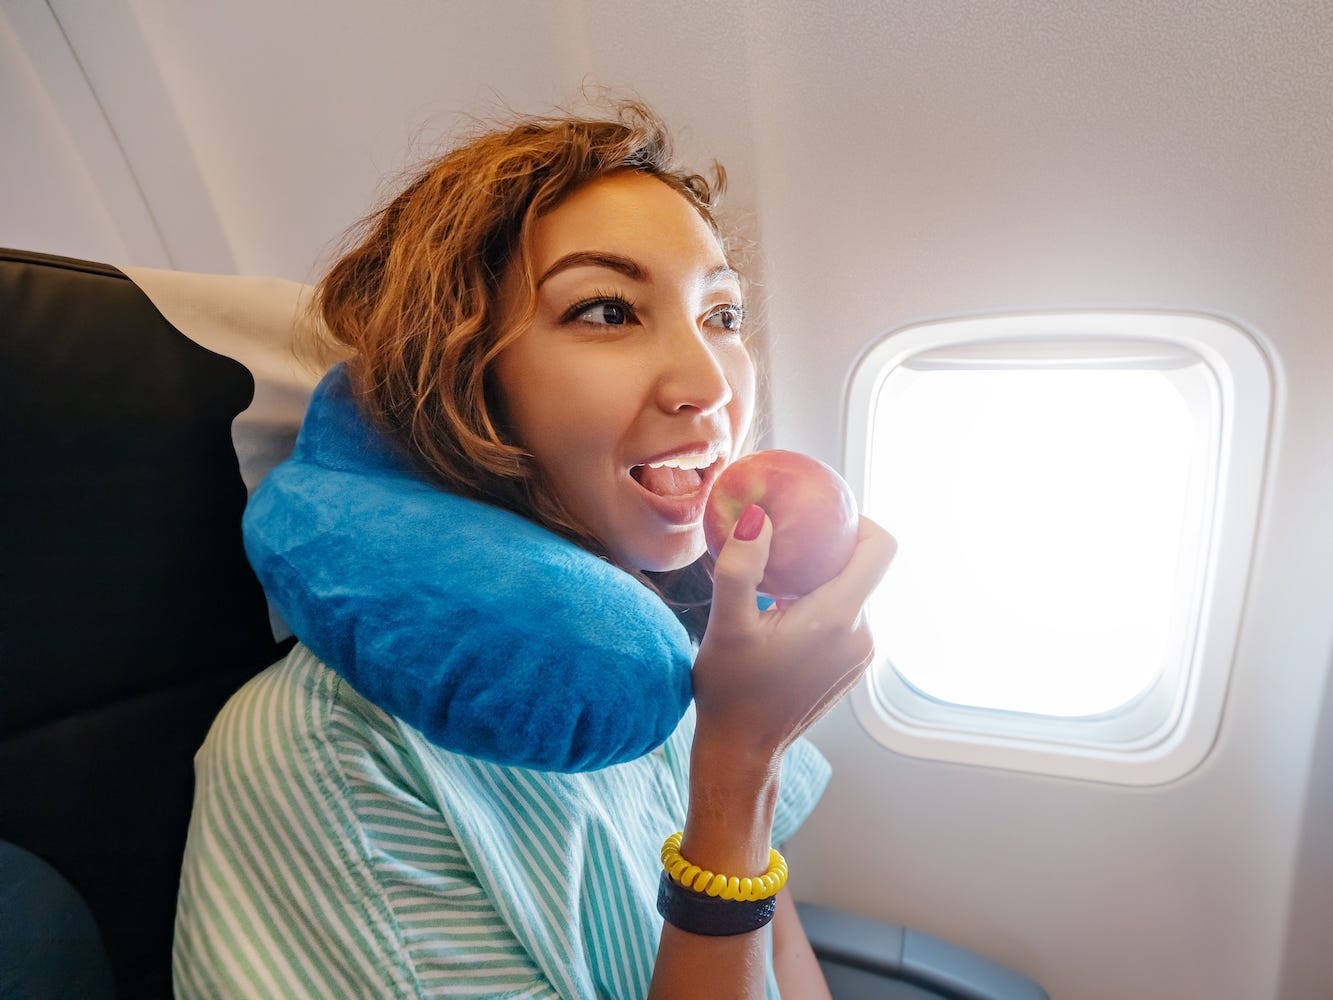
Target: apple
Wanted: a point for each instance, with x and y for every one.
(812, 509)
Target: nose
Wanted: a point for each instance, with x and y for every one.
(694, 376)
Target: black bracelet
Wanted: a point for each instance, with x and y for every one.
(714, 916)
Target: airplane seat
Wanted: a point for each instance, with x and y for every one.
(131, 614)
(867, 959)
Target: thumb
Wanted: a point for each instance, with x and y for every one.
(740, 566)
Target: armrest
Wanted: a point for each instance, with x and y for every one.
(897, 953)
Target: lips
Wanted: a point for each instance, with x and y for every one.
(676, 484)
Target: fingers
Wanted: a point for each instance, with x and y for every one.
(875, 549)
(819, 645)
(739, 568)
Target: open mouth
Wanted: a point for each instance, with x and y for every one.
(681, 477)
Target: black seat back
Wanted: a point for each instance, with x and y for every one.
(129, 610)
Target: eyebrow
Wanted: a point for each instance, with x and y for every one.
(624, 265)
(592, 258)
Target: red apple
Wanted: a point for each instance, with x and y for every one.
(812, 509)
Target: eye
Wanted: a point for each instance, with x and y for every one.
(602, 311)
(729, 317)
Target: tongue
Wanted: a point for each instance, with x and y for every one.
(668, 482)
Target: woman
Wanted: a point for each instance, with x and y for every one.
(546, 320)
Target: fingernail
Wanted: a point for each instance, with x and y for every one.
(750, 524)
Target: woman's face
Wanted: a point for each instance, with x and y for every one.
(631, 388)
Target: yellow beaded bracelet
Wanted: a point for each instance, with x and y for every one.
(747, 889)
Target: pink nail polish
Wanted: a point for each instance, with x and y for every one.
(750, 524)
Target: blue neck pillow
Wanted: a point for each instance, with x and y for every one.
(491, 635)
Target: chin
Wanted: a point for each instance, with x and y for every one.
(670, 553)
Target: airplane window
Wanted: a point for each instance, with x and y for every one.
(1048, 571)
(1062, 489)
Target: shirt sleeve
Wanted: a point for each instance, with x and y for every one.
(805, 773)
(317, 866)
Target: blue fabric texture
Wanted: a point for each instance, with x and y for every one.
(492, 636)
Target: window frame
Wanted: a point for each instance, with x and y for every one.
(1117, 747)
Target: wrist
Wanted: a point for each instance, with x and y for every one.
(714, 904)
(718, 757)
(729, 826)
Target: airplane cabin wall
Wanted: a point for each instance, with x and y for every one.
(896, 163)
(49, 200)
(1079, 158)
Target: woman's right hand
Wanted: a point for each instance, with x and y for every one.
(760, 680)
(763, 677)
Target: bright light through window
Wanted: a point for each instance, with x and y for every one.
(1044, 519)
(1075, 498)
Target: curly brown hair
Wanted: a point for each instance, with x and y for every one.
(416, 299)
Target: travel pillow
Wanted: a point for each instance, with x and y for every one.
(491, 635)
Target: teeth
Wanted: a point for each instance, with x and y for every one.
(701, 461)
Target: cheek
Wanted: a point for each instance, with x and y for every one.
(564, 419)
(530, 406)
(741, 376)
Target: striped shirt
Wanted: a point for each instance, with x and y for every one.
(335, 853)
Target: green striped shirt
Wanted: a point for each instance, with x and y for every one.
(335, 853)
